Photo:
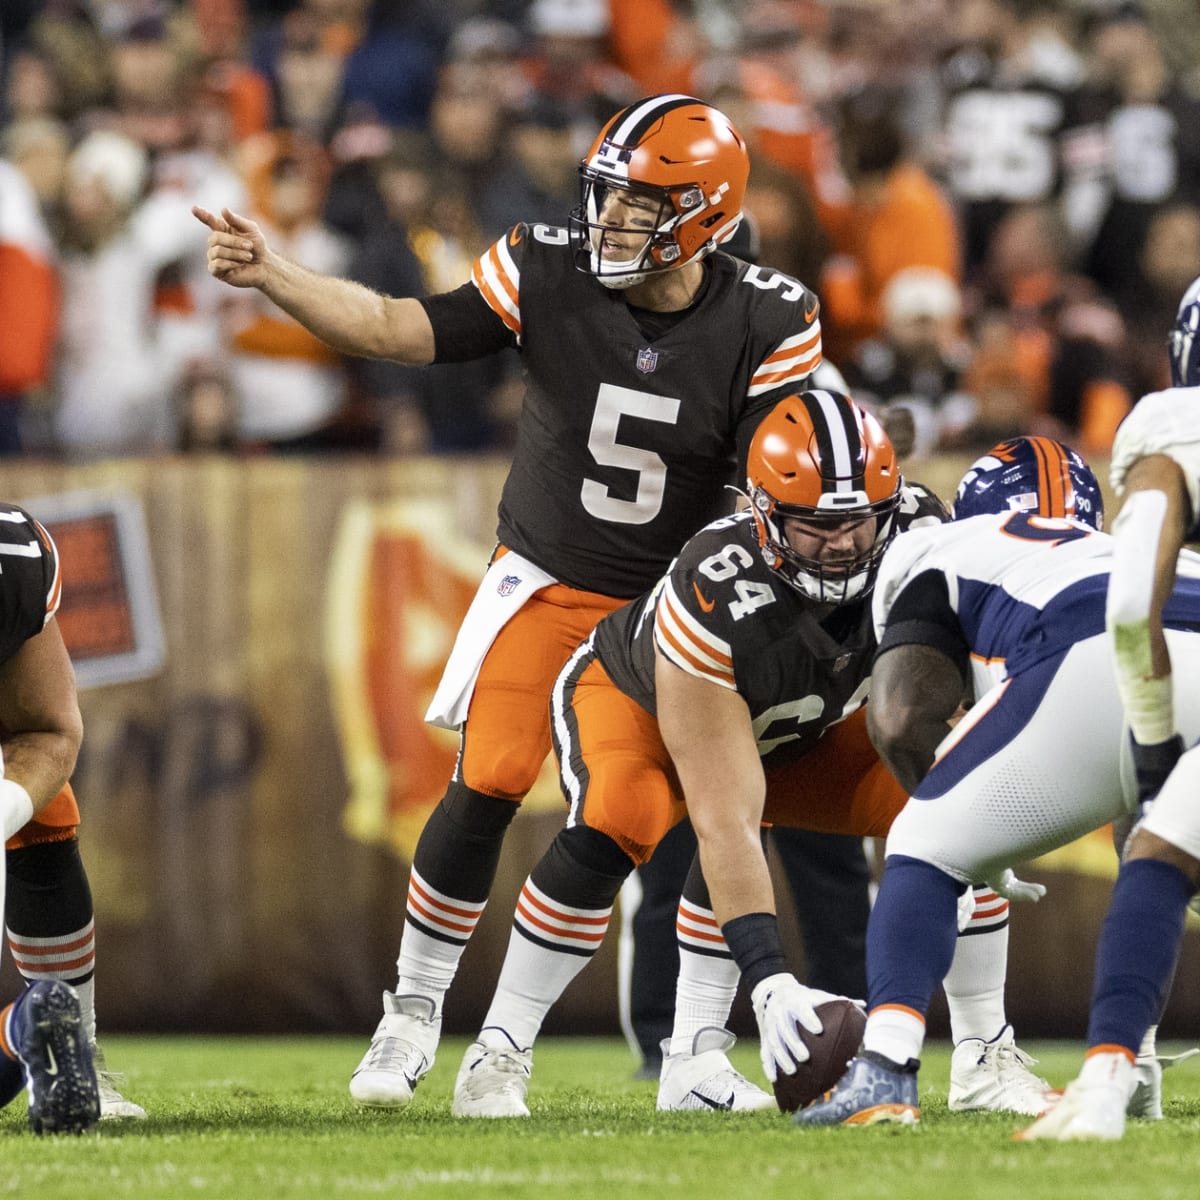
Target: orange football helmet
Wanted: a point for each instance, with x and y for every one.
(821, 459)
(686, 162)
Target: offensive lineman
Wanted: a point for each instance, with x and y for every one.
(731, 693)
(649, 361)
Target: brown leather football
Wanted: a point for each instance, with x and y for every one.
(828, 1053)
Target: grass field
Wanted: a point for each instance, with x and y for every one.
(269, 1119)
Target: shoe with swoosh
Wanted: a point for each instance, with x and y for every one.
(705, 1081)
(45, 1029)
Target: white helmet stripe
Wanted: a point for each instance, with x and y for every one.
(835, 442)
(633, 121)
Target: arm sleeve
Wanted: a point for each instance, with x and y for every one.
(922, 615)
(464, 327)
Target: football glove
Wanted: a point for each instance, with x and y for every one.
(781, 1003)
(1012, 888)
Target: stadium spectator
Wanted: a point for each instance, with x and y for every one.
(1014, 131)
(606, 481)
(917, 361)
(115, 376)
(1148, 298)
(675, 705)
(897, 218)
(1049, 346)
(47, 1036)
(29, 304)
(424, 240)
(1156, 470)
(290, 386)
(1152, 138)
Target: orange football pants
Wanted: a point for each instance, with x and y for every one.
(55, 823)
(627, 787)
(506, 737)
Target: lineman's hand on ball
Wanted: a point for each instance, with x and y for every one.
(782, 1005)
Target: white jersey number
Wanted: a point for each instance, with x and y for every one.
(611, 404)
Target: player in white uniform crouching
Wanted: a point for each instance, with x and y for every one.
(1156, 468)
(1012, 602)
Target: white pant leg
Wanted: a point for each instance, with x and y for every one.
(1175, 814)
(1050, 781)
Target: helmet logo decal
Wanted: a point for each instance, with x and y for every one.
(647, 360)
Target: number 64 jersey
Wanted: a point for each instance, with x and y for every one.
(722, 614)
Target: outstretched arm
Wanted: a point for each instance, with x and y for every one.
(349, 317)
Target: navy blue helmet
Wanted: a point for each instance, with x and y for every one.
(1031, 474)
(1183, 346)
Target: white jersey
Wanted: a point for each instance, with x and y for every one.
(1162, 423)
(1042, 756)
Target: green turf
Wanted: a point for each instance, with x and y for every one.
(269, 1119)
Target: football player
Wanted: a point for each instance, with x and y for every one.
(44, 1042)
(1156, 468)
(650, 357)
(1010, 599)
(732, 693)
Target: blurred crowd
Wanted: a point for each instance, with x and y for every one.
(998, 201)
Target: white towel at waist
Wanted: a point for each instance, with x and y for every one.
(509, 582)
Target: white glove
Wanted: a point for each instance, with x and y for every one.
(1012, 888)
(781, 1002)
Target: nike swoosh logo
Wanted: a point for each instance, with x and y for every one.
(707, 605)
(725, 1105)
(810, 313)
(52, 1063)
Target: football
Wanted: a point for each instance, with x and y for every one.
(828, 1053)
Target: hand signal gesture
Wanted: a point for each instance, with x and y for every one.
(237, 251)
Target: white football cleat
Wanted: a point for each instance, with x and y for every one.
(1092, 1107)
(493, 1080)
(401, 1052)
(1145, 1102)
(705, 1081)
(995, 1077)
(113, 1106)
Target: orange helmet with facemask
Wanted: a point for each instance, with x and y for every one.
(820, 459)
(686, 160)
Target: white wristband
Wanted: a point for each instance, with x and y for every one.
(16, 808)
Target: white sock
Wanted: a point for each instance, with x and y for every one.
(549, 945)
(427, 964)
(974, 985)
(896, 1033)
(704, 994)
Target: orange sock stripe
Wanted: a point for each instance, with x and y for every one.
(901, 1008)
(1109, 1048)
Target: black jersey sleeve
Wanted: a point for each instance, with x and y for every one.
(464, 327)
(922, 615)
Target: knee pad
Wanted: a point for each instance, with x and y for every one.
(582, 868)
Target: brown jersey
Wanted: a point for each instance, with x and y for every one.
(722, 614)
(627, 439)
(30, 584)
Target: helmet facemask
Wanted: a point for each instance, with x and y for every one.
(838, 581)
(658, 213)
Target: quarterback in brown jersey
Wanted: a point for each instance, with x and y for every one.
(650, 356)
(732, 692)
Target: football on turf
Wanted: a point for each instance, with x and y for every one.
(828, 1053)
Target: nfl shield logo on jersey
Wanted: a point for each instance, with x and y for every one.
(508, 585)
(647, 360)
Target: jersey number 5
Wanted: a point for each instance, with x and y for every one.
(612, 403)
